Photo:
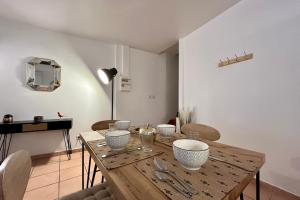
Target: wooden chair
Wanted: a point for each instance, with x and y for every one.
(101, 125)
(200, 131)
(14, 175)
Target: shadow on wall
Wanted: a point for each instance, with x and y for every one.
(172, 70)
(93, 63)
(21, 71)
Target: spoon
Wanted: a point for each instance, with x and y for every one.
(160, 166)
(162, 177)
(101, 144)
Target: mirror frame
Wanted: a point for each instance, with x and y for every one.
(32, 66)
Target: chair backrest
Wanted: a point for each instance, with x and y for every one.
(200, 131)
(14, 175)
(101, 125)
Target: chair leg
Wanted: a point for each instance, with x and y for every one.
(102, 179)
(241, 196)
(94, 173)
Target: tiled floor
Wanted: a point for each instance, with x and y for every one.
(52, 178)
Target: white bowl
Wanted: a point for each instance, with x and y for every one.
(117, 140)
(122, 125)
(166, 130)
(191, 154)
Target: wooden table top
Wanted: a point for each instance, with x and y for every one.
(128, 183)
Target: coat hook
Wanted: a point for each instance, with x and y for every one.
(228, 60)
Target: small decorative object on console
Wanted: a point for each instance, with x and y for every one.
(8, 118)
(38, 119)
(60, 114)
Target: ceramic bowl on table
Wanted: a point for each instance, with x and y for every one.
(117, 140)
(122, 125)
(191, 154)
(165, 130)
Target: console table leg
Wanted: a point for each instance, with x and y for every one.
(4, 148)
(67, 143)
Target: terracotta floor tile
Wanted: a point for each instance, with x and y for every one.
(43, 180)
(49, 192)
(265, 191)
(70, 173)
(70, 163)
(69, 186)
(279, 194)
(45, 169)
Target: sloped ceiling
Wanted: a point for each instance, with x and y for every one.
(152, 25)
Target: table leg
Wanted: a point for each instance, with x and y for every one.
(4, 148)
(94, 173)
(82, 166)
(257, 186)
(241, 196)
(88, 174)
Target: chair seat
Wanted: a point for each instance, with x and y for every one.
(201, 131)
(98, 192)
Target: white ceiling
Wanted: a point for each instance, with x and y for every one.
(152, 25)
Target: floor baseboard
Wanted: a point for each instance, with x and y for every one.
(47, 155)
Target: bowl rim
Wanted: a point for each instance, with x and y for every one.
(190, 149)
(165, 126)
(123, 121)
(125, 133)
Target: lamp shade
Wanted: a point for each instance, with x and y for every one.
(106, 75)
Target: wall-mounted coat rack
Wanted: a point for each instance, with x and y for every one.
(237, 59)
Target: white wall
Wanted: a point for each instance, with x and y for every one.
(255, 104)
(151, 99)
(81, 96)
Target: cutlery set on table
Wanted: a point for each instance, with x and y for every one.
(162, 173)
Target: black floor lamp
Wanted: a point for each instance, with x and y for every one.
(107, 75)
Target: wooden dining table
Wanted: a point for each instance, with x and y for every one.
(128, 183)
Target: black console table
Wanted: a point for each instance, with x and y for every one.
(8, 129)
